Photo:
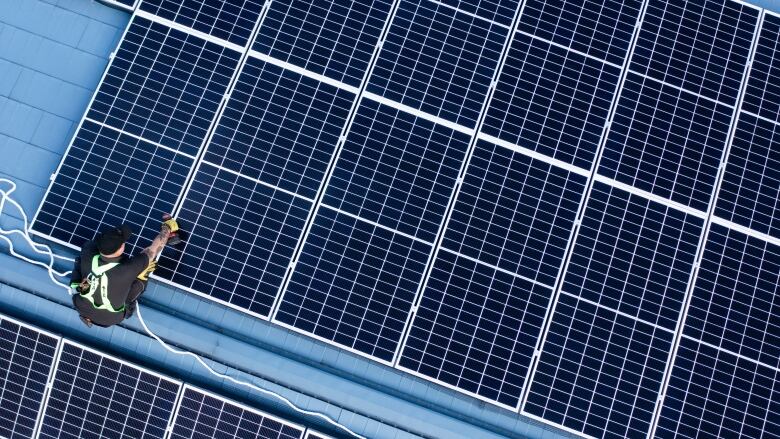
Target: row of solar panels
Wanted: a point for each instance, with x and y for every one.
(360, 263)
(55, 388)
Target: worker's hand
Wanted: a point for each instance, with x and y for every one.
(170, 225)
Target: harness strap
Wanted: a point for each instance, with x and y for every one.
(99, 281)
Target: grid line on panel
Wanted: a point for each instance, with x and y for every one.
(476, 328)
(205, 416)
(514, 213)
(279, 127)
(603, 29)
(762, 95)
(666, 141)
(439, 61)
(735, 302)
(750, 190)
(93, 396)
(230, 20)
(108, 178)
(714, 394)
(26, 360)
(497, 11)
(702, 47)
(164, 85)
(633, 255)
(552, 100)
(599, 372)
(334, 39)
(242, 238)
(397, 170)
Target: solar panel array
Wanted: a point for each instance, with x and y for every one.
(528, 202)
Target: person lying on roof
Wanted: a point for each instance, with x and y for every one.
(114, 281)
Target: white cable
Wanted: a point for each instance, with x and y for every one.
(5, 195)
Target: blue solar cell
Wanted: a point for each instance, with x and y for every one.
(332, 38)
(280, 127)
(702, 47)
(666, 141)
(241, 238)
(499, 11)
(313, 435)
(230, 20)
(354, 284)
(164, 85)
(26, 360)
(515, 213)
(603, 29)
(736, 300)
(438, 60)
(714, 394)
(205, 416)
(476, 328)
(97, 397)
(552, 100)
(751, 183)
(762, 95)
(634, 255)
(600, 372)
(108, 178)
(397, 170)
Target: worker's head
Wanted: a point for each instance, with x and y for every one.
(111, 242)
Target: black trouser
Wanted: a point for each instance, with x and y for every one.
(136, 289)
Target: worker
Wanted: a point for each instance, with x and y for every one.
(114, 281)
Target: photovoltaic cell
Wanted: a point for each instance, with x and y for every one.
(314, 435)
(241, 238)
(26, 360)
(666, 141)
(715, 394)
(230, 20)
(762, 95)
(552, 100)
(499, 11)
(751, 182)
(397, 170)
(702, 47)
(736, 300)
(476, 328)
(203, 415)
(108, 178)
(164, 85)
(603, 29)
(97, 397)
(634, 256)
(332, 38)
(280, 127)
(354, 284)
(515, 213)
(438, 60)
(600, 372)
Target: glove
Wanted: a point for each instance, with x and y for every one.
(144, 275)
(80, 288)
(171, 225)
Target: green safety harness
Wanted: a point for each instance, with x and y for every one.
(98, 280)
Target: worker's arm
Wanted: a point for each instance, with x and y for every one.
(169, 227)
(75, 275)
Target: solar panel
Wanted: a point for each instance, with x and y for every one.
(666, 141)
(600, 371)
(108, 178)
(438, 60)
(314, 435)
(751, 185)
(736, 299)
(26, 360)
(515, 213)
(331, 38)
(397, 170)
(603, 29)
(716, 394)
(762, 95)
(476, 328)
(97, 396)
(552, 100)
(499, 11)
(230, 20)
(354, 284)
(204, 415)
(702, 47)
